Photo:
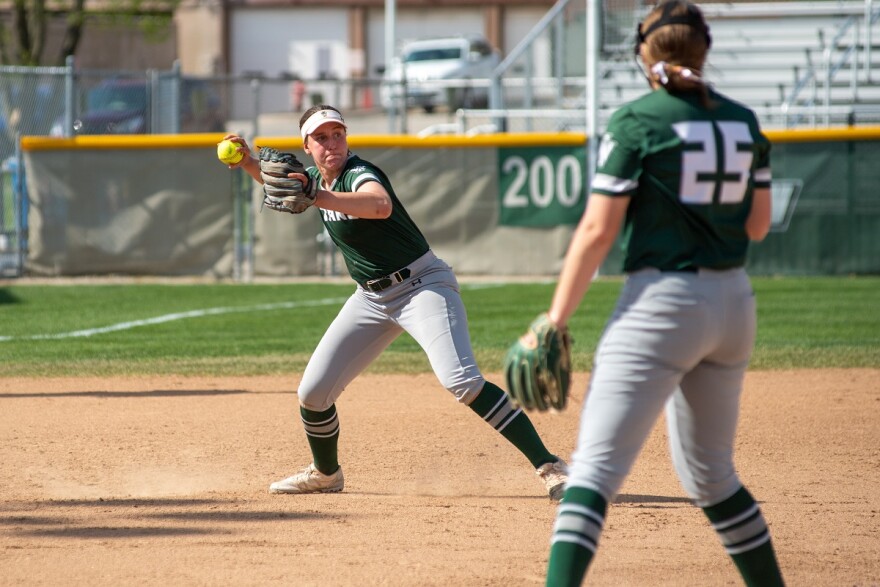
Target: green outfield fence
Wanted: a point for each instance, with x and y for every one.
(502, 204)
(832, 226)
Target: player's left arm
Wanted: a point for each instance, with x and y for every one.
(758, 221)
(760, 216)
(370, 200)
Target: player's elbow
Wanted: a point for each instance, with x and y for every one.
(757, 232)
(599, 233)
(383, 208)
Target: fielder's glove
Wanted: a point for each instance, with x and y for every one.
(538, 366)
(282, 193)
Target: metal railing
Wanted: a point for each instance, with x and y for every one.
(796, 110)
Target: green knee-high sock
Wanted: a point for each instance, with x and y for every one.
(322, 432)
(579, 521)
(746, 538)
(494, 406)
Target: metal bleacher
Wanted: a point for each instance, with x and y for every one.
(797, 64)
(794, 63)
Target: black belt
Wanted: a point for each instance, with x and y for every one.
(377, 285)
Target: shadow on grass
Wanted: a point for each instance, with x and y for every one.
(8, 298)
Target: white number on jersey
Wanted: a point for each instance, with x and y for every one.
(699, 167)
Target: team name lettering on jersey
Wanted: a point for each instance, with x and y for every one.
(334, 216)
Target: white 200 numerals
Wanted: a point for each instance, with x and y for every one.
(545, 183)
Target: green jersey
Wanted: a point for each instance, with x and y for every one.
(691, 173)
(372, 248)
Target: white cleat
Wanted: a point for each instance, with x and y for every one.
(554, 476)
(310, 480)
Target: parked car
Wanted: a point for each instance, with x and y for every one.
(123, 106)
(431, 70)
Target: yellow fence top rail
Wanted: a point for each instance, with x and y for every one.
(363, 141)
(818, 135)
(209, 140)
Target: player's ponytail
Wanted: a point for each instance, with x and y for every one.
(673, 41)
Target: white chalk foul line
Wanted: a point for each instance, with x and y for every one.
(198, 314)
(176, 316)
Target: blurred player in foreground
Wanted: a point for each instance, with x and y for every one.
(686, 172)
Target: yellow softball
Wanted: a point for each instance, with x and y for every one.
(228, 153)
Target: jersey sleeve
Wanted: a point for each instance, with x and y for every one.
(763, 175)
(359, 175)
(619, 163)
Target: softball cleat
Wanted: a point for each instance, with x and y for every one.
(310, 480)
(554, 475)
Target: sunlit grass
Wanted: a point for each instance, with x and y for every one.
(803, 322)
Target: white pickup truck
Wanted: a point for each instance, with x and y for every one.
(450, 71)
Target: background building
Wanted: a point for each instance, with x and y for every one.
(340, 39)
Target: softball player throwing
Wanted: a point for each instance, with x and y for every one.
(686, 171)
(401, 287)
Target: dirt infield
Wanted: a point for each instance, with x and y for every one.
(163, 481)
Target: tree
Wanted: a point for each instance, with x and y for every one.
(24, 26)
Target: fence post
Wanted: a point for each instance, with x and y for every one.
(255, 89)
(153, 96)
(69, 96)
(237, 224)
(250, 237)
(175, 96)
(20, 207)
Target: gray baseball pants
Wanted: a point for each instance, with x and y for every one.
(679, 340)
(427, 305)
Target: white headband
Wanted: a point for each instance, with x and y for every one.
(320, 118)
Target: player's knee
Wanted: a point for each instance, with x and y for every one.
(464, 388)
(603, 478)
(705, 492)
(314, 399)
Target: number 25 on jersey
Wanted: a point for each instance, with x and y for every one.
(714, 163)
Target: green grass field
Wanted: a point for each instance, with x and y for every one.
(226, 329)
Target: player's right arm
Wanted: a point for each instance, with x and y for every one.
(592, 239)
(370, 200)
(249, 163)
(615, 182)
